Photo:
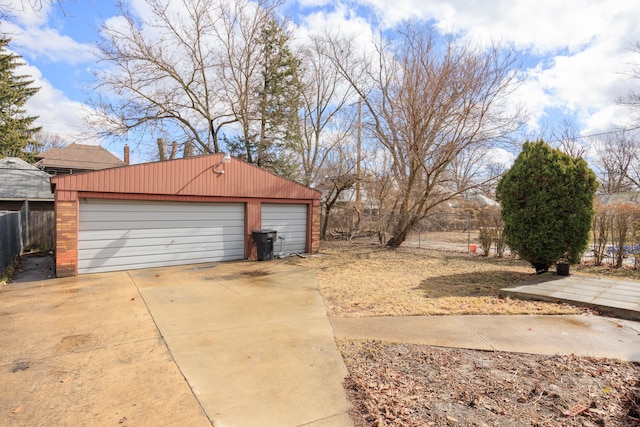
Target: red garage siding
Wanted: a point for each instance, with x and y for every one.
(185, 180)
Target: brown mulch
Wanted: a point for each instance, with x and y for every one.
(418, 385)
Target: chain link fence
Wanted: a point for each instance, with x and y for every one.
(443, 231)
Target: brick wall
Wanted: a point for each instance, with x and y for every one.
(315, 227)
(66, 238)
(253, 222)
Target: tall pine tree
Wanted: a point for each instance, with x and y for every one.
(271, 125)
(16, 127)
(279, 101)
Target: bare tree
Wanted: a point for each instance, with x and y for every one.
(338, 176)
(49, 140)
(262, 84)
(618, 159)
(324, 96)
(8, 8)
(632, 99)
(433, 103)
(379, 190)
(567, 138)
(163, 72)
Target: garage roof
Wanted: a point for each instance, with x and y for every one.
(21, 181)
(193, 176)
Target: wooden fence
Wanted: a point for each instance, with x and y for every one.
(42, 230)
(25, 229)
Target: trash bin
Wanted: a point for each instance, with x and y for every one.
(562, 269)
(264, 240)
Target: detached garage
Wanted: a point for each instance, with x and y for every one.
(176, 212)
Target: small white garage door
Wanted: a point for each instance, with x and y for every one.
(125, 235)
(290, 221)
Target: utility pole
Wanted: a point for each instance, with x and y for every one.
(358, 160)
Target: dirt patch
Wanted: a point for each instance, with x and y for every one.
(76, 343)
(257, 273)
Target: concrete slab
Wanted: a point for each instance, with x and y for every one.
(618, 298)
(33, 268)
(253, 341)
(85, 351)
(590, 336)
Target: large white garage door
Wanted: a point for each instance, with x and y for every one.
(124, 235)
(290, 221)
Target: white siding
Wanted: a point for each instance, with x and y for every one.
(124, 235)
(290, 221)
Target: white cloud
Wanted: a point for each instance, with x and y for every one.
(28, 13)
(500, 157)
(56, 113)
(583, 45)
(337, 19)
(43, 42)
(34, 37)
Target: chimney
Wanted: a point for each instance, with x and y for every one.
(126, 154)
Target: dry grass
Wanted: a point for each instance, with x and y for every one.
(372, 280)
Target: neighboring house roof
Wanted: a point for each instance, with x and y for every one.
(78, 156)
(21, 181)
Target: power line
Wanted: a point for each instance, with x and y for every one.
(60, 124)
(595, 135)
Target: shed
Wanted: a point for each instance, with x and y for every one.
(184, 211)
(21, 182)
(26, 189)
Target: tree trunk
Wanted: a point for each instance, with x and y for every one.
(325, 222)
(403, 226)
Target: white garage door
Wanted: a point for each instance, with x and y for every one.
(290, 221)
(124, 235)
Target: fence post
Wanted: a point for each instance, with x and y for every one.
(24, 226)
(468, 233)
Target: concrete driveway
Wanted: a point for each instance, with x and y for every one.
(229, 344)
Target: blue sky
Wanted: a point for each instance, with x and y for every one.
(574, 52)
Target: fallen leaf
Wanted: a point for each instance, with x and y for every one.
(123, 419)
(18, 409)
(65, 380)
